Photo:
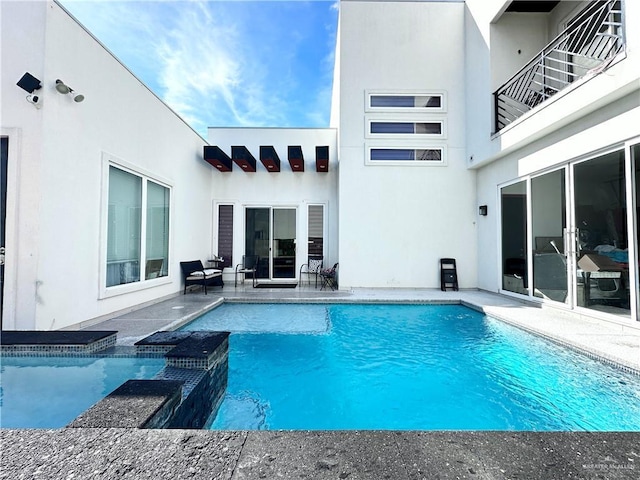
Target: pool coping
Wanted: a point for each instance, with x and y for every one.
(40, 343)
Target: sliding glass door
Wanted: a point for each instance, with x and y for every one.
(284, 243)
(270, 233)
(513, 203)
(548, 231)
(601, 234)
(258, 238)
(574, 233)
(634, 268)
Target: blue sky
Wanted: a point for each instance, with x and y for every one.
(225, 63)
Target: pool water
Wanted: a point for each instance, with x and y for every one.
(408, 367)
(50, 392)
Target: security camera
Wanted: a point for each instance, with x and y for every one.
(35, 100)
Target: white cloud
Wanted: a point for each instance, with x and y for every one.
(197, 67)
(219, 63)
(210, 71)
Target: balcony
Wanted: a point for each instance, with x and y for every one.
(586, 47)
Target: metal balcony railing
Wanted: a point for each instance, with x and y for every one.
(587, 46)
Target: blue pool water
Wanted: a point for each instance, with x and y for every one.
(419, 367)
(50, 392)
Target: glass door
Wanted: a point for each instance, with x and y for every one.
(601, 234)
(4, 161)
(270, 233)
(634, 266)
(571, 235)
(258, 238)
(548, 231)
(513, 206)
(284, 243)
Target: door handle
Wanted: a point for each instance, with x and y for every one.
(1, 255)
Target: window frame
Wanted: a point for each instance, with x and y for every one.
(406, 93)
(410, 146)
(323, 227)
(406, 136)
(109, 161)
(216, 245)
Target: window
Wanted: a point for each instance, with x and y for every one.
(405, 102)
(138, 208)
(433, 155)
(157, 253)
(315, 229)
(406, 128)
(225, 235)
(411, 128)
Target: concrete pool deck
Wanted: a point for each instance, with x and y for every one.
(130, 453)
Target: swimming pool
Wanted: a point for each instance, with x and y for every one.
(50, 392)
(408, 367)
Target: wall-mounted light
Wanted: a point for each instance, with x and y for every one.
(482, 210)
(30, 84)
(61, 87)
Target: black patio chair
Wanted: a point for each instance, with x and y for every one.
(249, 265)
(329, 278)
(194, 273)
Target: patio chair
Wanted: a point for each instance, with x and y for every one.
(249, 265)
(329, 278)
(448, 274)
(313, 267)
(194, 273)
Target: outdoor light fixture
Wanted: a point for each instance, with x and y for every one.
(64, 89)
(30, 84)
(483, 210)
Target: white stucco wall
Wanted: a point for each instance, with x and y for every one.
(277, 189)
(515, 39)
(57, 263)
(22, 123)
(396, 222)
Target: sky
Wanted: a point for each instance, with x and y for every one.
(225, 63)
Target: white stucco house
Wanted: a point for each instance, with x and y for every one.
(502, 133)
